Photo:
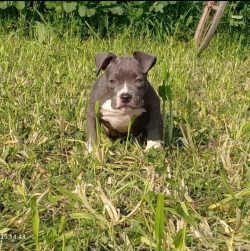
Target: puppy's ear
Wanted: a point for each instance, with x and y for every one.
(146, 61)
(102, 60)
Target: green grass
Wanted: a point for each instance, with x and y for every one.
(109, 202)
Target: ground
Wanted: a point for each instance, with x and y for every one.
(85, 202)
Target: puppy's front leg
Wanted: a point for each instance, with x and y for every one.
(155, 126)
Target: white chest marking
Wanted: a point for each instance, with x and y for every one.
(119, 118)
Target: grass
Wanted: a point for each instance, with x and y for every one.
(55, 196)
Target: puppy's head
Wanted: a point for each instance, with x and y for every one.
(126, 78)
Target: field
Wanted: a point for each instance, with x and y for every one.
(56, 196)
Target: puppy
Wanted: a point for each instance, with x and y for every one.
(124, 92)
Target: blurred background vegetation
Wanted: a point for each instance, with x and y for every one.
(41, 19)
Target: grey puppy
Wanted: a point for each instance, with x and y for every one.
(124, 91)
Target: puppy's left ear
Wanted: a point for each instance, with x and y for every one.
(146, 61)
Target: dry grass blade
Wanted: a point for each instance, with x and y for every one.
(113, 214)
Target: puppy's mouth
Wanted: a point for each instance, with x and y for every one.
(126, 107)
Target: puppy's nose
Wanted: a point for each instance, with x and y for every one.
(126, 98)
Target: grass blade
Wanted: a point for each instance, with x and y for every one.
(131, 121)
(159, 221)
(226, 183)
(98, 127)
(180, 240)
(35, 221)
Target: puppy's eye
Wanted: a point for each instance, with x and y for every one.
(112, 82)
(139, 82)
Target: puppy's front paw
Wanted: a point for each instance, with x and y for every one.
(157, 144)
(92, 150)
(89, 147)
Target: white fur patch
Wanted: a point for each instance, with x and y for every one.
(154, 144)
(89, 147)
(123, 90)
(119, 118)
(118, 95)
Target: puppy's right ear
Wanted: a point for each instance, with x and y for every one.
(102, 60)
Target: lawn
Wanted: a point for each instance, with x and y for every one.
(56, 196)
